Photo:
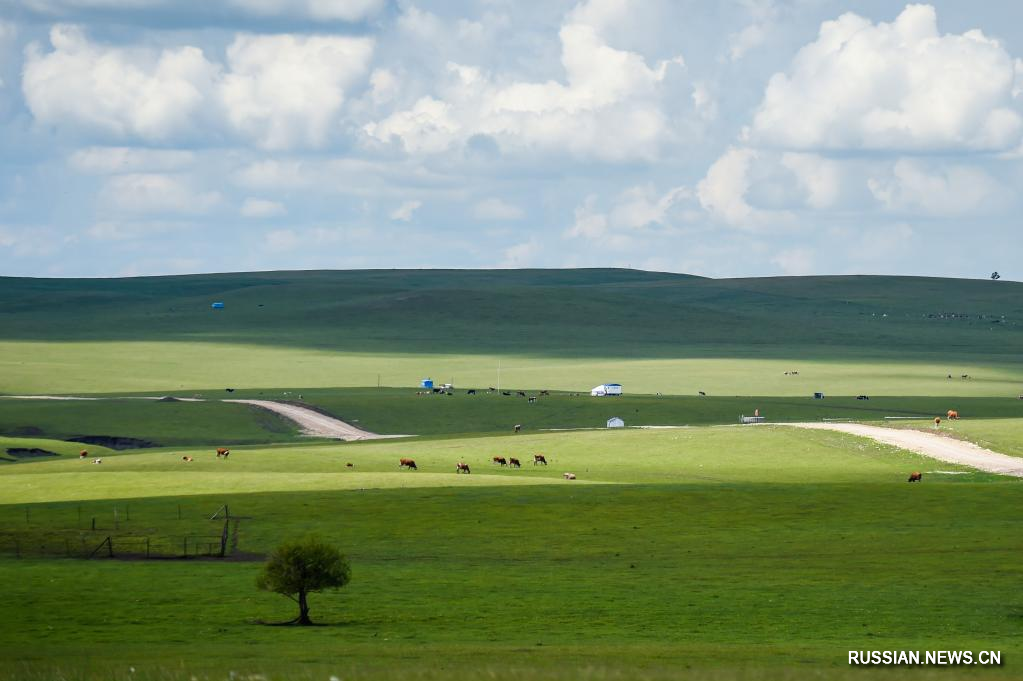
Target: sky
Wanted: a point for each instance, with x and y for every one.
(725, 139)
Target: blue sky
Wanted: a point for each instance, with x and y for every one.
(744, 138)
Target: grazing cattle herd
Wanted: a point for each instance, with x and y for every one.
(463, 467)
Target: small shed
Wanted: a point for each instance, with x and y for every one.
(217, 306)
(615, 422)
(426, 383)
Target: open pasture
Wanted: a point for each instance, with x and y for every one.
(697, 456)
(152, 423)
(716, 551)
(147, 366)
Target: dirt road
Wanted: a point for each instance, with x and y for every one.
(930, 444)
(315, 423)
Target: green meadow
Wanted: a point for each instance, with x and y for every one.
(702, 550)
(728, 552)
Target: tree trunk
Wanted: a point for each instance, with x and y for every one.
(303, 609)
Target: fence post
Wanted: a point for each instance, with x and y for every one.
(110, 547)
(93, 523)
(223, 537)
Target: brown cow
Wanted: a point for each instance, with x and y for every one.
(408, 463)
(916, 477)
(500, 460)
(82, 454)
(937, 421)
(187, 459)
(539, 458)
(461, 467)
(953, 415)
(222, 452)
(514, 463)
(349, 465)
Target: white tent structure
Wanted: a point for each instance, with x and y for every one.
(615, 422)
(607, 390)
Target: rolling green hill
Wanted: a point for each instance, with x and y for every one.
(555, 329)
(607, 313)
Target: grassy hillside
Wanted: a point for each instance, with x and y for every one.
(153, 423)
(603, 313)
(555, 329)
(718, 553)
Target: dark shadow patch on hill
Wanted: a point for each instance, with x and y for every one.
(113, 441)
(29, 452)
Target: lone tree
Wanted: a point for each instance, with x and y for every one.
(995, 276)
(297, 568)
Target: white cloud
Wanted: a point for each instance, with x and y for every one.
(151, 193)
(795, 261)
(284, 91)
(763, 13)
(154, 95)
(521, 255)
(280, 91)
(608, 107)
(262, 208)
(704, 101)
(722, 193)
(819, 177)
(941, 190)
(589, 222)
(496, 209)
(323, 10)
(898, 86)
(111, 160)
(403, 213)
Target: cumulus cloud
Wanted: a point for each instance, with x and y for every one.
(120, 92)
(153, 193)
(403, 213)
(795, 261)
(496, 209)
(262, 208)
(284, 91)
(892, 86)
(521, 255)
(608, 105)
(820, 178)
(279, 91)
(633, 209)
(722, 193)
(942, 190)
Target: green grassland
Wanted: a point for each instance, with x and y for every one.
(706, 552)
(403, 411)
(159, 423)
(556, 329)
(56, 448)
(721, 553)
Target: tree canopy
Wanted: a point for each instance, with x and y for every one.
(300, 567)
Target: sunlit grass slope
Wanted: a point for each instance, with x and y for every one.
(720, 553)
(560, 329)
